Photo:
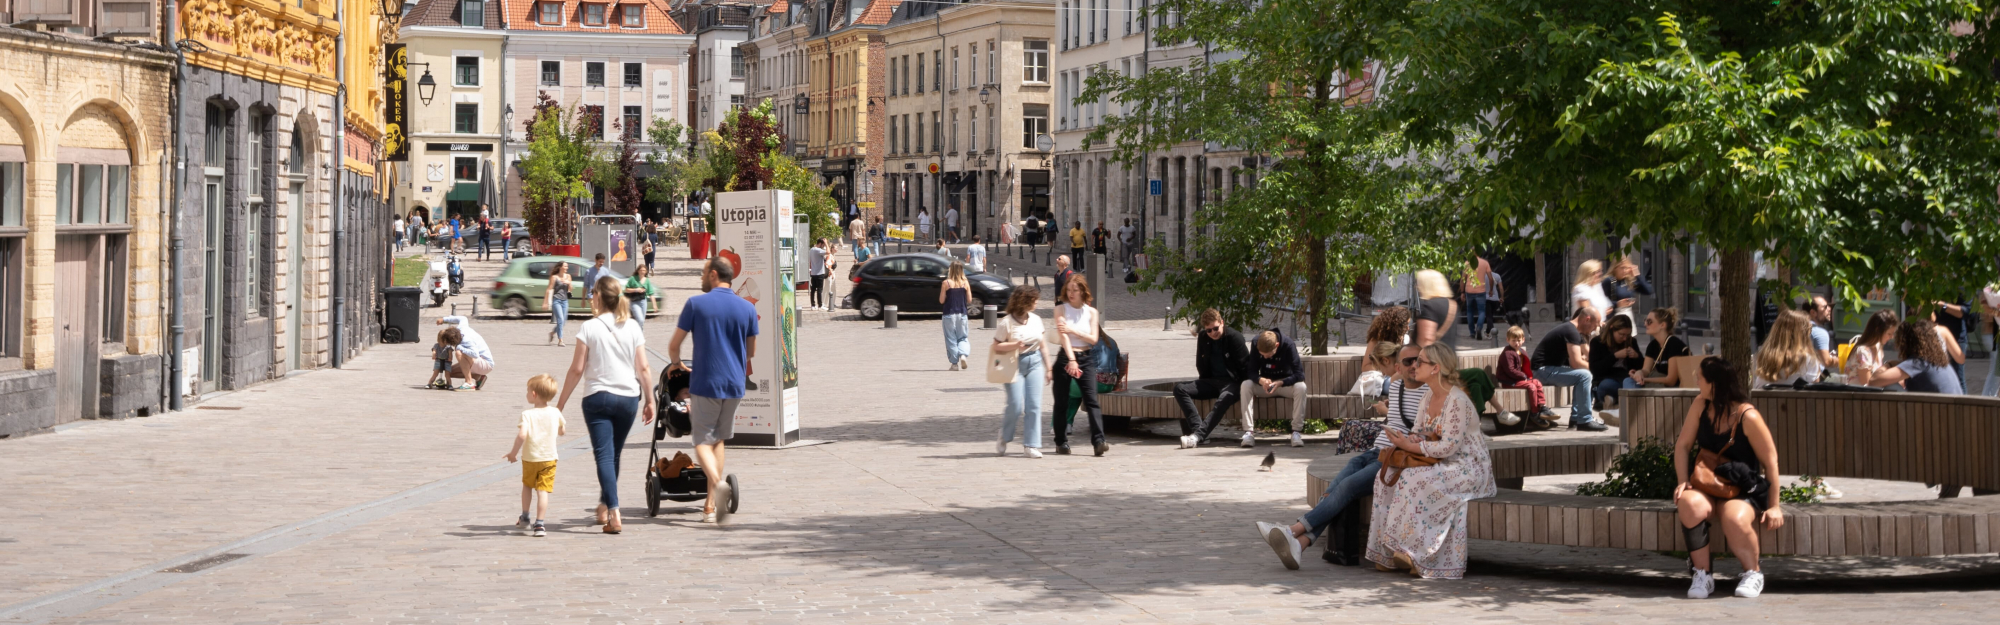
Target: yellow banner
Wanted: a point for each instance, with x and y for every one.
(903, 232)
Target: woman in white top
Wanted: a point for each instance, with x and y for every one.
(1020, 335)
(1589, 288)
(1788, 355)
(1076, 326)
(1866, 359)
(611, 362)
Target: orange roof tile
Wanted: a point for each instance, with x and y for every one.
(779, 7)
(878, 12)
(522, 14)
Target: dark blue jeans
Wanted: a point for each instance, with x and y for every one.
(609, 418)
(1475, 313)
(1355, 480)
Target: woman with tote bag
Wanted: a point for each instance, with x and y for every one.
(1019, 361)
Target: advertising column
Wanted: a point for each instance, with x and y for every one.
(753, 232)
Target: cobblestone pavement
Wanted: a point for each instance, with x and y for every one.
(357, 497)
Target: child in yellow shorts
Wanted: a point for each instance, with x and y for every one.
(535, 448)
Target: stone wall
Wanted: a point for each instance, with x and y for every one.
(27, 402)
(130, 386)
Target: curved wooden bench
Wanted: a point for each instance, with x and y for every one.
(1828, 432)
(1906, 437)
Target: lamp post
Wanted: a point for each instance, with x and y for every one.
(426, 86)
(392, 9)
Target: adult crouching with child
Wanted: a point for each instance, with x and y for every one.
(610, 361)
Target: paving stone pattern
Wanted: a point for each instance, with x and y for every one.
(907, 517)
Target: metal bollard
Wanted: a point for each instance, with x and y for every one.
(991, 314)
(1167, 319)
(889, 316)
(475, 308)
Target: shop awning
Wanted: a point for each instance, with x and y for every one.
(464, 191)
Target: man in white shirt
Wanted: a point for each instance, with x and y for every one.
(1125, 242)
(471, 359)
(975, 256)
(951, 224)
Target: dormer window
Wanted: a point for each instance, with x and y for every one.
(472, 13)
(633, 16)
(551, 13)
(593, 15)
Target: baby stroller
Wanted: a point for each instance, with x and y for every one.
(686, 483)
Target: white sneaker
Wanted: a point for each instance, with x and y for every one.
(1704, 583)
(953, 367)
(1249, 440)
(1298, 440)
(1031, 452)
(1000, 448)
(964, 363)
(1750, 584)
(1187, 441)
(1282, 542)
(708, 517)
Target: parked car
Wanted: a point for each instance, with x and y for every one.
(910, 282)
(519, 288)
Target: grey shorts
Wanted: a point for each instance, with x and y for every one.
(713, 420)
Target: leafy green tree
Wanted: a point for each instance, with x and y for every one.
(809, 197)
(1345, 198)
(1852, 140)
(556, 169)
(675, 172)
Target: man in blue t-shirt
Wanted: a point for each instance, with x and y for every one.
(725, 339)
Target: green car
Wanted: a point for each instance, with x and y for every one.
(520, 287)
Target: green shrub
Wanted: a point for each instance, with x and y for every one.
(1644, 472)
(1808, 489)
(1284, 426)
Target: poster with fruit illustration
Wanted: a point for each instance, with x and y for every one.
(753, 234)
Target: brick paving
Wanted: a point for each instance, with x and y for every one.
(906, 517)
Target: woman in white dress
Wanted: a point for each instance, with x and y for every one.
(1419, 521)
(1589, 289)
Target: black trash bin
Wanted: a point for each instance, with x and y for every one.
(402, 303)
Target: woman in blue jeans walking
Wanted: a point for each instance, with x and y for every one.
(611, 362)
(953, 293)
(557, 298)
(1401, 406)
(1021, 333)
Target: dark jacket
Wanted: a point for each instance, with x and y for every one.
(1224, 358)
(1283, 366)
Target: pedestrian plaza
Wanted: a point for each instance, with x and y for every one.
(354, 495)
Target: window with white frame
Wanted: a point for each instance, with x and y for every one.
(1090, 24)
(992, 62)
(593, 14)
(892, 79)
(593, 74)
(634, 16)
(635, 74)
(549, 13)
(1034, 124)
(920, 73)
(735, 62)
(973, 66)
(972, 126)
(920, 132)
(465, 168)
(954, 131)
(13, 258)
(937, 71)
(1034, 61)
(465, 118)
(954, 68)
(551, 73)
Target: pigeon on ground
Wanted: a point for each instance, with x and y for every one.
(1270, 460)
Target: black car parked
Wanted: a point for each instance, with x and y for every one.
(910, 283)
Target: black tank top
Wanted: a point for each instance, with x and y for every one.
(954, 301)
(1732, 445)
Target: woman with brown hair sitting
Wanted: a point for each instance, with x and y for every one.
(1730, 482)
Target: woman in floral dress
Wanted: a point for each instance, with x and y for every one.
(1419, 523)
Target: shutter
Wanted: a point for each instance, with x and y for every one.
(48, 11)
(125, 17)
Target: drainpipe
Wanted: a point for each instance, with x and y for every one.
(175, 401)
(506, 119)
(1145, 160)
(937, 119)
(338, 351)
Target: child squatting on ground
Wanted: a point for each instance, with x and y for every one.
(535, 448)
(441, 358)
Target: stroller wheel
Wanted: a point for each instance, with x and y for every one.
(735, 492)
(652, 494)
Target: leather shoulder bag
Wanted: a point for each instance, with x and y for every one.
(1398, 458)
(1703, 478)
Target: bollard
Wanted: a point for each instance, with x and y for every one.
(991, 314)
(1010, 277)
(889, 316)
(1167, 323)
(475, 308)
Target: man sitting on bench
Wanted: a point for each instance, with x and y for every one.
(1220, 356)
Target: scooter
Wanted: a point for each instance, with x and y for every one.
(437, 281)
(456, 273)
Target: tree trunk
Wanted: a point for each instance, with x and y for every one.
(1316, 295)
(1738, 299)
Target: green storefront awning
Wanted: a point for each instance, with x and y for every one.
(464, 191)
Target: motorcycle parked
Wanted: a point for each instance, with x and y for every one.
(456, 272)
(437, 281)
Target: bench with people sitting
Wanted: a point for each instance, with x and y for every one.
(1913, 437)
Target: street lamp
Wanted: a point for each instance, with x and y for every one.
(392, 9)
(426, 86)
(985, 95)
(1047, 142)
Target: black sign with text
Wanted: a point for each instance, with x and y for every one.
(396, 107)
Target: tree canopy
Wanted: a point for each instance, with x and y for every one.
(1852, 140)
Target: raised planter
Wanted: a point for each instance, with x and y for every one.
(562, 250)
